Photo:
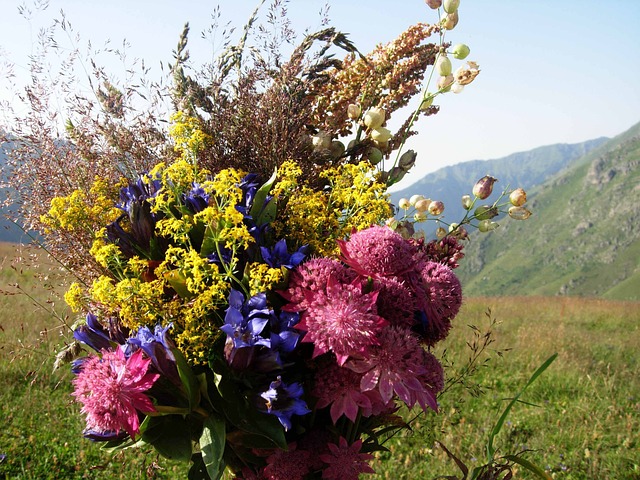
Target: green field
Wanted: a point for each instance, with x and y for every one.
(581, 420)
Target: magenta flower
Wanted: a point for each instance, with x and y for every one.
(396, 301)
(439, 296)
(346, 462)
(398, 364)
(313, 276)
(340, 388)
(342, 320)
(378, 252)
(291, 464)
(111, 390)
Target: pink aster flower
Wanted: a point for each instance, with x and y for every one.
(342, 320)
(340, 388)
(346, 462)
(291, 464)
(111, 390)
(396, 301)
(439, 295)
(398, 364)
(378, 252)
(313, 276)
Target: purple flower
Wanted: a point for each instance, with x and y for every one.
(137, 193)
(278, 256)
(106, 436)
(97, 337)
(284, 401)
(158, 347)
(196, 200)
(245, 321)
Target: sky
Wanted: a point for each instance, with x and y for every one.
(551, 71)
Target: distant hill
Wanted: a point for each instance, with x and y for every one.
(9, 232)
(523, 169)
(584, 236)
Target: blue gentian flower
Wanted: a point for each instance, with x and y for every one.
(137, 193)
(158, 347)
(245, 321)
(279, 256)
(284, 401)
(106, 436)
(97, 337)
(196, 200)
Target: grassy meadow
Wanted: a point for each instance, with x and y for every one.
(581, 419)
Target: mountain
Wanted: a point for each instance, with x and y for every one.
(523, 169)
(584, 236)
(9, 232)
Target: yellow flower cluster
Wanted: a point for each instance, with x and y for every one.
(263, 278)
(355, 200)
(188, 136)
(81, 210)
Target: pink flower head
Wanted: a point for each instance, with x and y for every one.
(396, 301)
(342, 320)
(345, 462)
(291, 464)
(313, 276)
(378, 252)
(398, 364)
(111, 390)
(340, 388)
(440, 297)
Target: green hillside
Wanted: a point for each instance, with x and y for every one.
(583, 239)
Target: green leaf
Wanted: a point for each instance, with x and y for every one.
(232, 402)
(179, 283)
(198, 470)
(529, 466)
(189, 379)
(212, 443)
(261, 196)
(498, 426)
(170, 435)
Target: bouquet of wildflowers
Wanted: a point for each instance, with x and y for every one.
(249, 300)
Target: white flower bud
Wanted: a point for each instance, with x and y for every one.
(374, 117)
(444, 83)
(443, 66)
(404, 204)
(467, 202)
(414, 199)
(450, 21)
(354, 111)
(381, 135)
(457, 88)
(460, 51)
(451, 6)
(422, 205)
(436, 208)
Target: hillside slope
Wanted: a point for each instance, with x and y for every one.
(583, 239)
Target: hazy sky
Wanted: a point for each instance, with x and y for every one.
(552, 71)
